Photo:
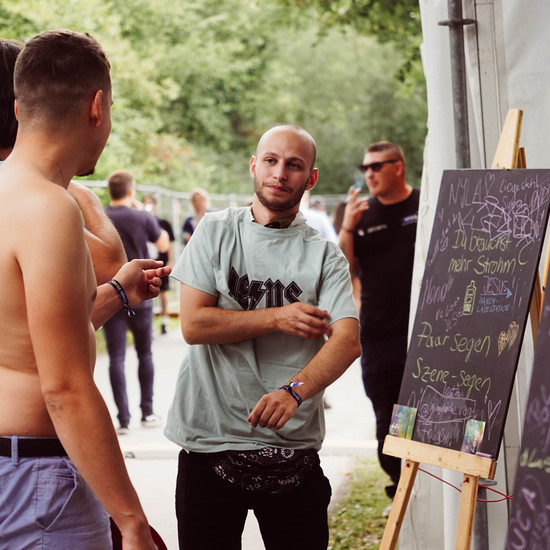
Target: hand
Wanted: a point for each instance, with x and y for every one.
(355, 207)
(302, 320)
(273, 410)
(141, 279)
(134, 203)
(141, 541)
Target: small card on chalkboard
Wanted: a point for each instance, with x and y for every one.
(402, 421)
(473, 434)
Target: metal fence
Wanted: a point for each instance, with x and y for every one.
(175, 206)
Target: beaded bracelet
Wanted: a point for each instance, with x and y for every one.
(118, 287)
(288, 388)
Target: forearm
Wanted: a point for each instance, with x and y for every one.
(213, 325)
(102, 238)
(332, 360)
(203, 322)
(107, 253)
(107, 303)
(85, 429)
(274, 409)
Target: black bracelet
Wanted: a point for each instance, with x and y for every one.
(288, 388)
(118, 287)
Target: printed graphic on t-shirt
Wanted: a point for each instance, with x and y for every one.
(248, 294)
(408, 220)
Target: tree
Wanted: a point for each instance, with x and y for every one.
(196, 82)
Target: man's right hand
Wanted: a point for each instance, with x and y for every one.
(355, 207)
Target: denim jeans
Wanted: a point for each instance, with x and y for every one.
(45, 504)
(141, 326)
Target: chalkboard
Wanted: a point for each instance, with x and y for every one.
(473, 305)
(529, 523)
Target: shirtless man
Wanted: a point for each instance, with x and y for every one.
(103, 240)
(58, 447)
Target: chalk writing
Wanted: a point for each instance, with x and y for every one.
(473, 304)
(529, 524)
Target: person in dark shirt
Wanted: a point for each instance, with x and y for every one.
(378, 237)
(136, 228)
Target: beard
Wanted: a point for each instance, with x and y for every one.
(86, 173)
(282, 204)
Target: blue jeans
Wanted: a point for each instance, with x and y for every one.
(211, 511)
(141, 326)
(45, 504)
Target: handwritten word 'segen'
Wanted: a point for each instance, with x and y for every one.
(456, 343)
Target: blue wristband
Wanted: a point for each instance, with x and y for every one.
(288, 388)
(118, 287)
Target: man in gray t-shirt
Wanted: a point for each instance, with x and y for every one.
(268, 310)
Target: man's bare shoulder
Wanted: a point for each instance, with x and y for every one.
(30, 203)
(31, 189)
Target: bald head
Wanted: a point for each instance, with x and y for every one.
(309, 142)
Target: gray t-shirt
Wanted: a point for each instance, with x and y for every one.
(248, 266)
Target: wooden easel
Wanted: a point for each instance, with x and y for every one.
(472, 467)
(508, 156)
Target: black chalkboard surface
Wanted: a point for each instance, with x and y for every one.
(473, 305)
(529, 523)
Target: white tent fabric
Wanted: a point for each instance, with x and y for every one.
(507, 67)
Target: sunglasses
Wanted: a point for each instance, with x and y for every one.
(375, 166)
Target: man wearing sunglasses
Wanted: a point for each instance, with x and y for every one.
(377, 236)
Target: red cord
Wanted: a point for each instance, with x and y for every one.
(504, 497)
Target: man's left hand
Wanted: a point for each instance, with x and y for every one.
(141, 279)
(273, 410)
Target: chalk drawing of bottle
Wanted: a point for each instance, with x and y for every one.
(469, 299)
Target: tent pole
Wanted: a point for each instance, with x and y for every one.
(458, 78)
(462, 144)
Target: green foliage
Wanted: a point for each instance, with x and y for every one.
(397, 22)
(341, 91)
(196, 82)
(356, 523)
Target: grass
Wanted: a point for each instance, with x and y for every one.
(356, 521)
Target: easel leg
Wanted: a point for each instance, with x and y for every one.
(399, 506)
(465, 527)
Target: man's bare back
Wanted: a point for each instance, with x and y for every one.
(35, 226)
(50, 305)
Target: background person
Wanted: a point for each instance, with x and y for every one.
(167, 258)
(136, 228)
(201, 204)
(378, 236)
(267, 308)
(9, 50)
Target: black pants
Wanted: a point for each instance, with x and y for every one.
(382, 365)
(211, 511)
